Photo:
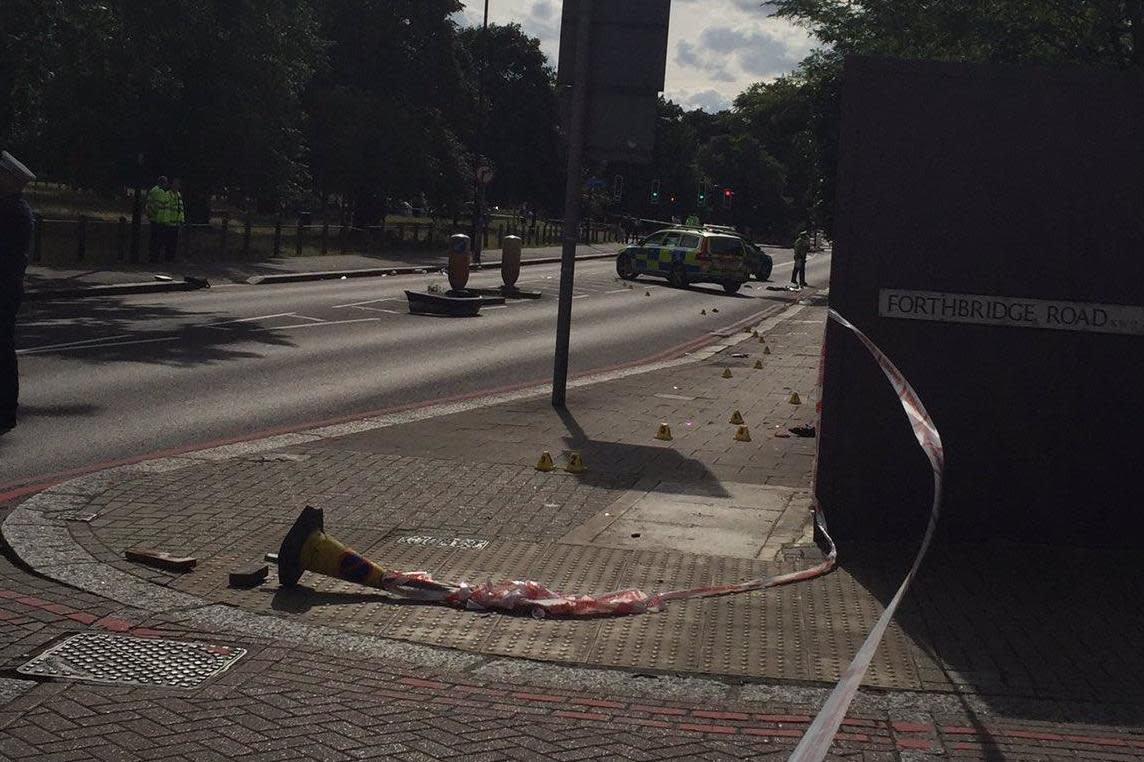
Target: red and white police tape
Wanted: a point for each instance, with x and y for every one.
(816, 741)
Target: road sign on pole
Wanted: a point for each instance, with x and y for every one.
(625, 76)
(613, 56)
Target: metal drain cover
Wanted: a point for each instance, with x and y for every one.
(126, 660)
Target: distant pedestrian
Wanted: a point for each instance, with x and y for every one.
(16, 224)
(178, 216)
(801, 249)
(160, 213)
(692, 221)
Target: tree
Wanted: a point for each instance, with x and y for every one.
(386, 108)
(209, 91)
(781, 116)
(1092, 32)
(521, 115)
(756, 178)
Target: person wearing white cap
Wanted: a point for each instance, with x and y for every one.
(16, 223)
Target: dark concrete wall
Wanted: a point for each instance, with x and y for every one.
(1005, 181)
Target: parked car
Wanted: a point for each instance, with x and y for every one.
(688, 255)
(759, 262)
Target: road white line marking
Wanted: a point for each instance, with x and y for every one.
(318, 325)
(307, 317)
(581, 296)
(371, 301)
(250, 319)
(67, 344)
(377, 309)
(41, 350)
(617, 291)
(496, 307)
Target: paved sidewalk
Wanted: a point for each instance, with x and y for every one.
(335, 671)
(40, 277)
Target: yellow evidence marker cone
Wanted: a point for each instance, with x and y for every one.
(664, 432)
(767, 350)
(737, 418)
(755, 334)
(758, 364)
(575, 464)
(743, 434)
(647, 293)
(726, 373)
(545, 463)
(762, 339)
(795, 399)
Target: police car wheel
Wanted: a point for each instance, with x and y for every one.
(624, 267)
(732, 287)
(678, 276)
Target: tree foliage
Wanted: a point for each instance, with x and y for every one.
(519, 123)
(1107, 33)
(386, 106)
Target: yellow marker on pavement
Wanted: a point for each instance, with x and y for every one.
(575, 464)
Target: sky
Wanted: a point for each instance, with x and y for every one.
(716, 48)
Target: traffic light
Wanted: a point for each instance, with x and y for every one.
(654, 192)
(728, 197)
(702, 193)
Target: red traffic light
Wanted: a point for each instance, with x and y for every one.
(728, 192)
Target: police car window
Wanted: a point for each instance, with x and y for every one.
(720, 245)
(689, 242)
(672, 240)
(656, 239)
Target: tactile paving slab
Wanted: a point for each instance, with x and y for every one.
(124, 660)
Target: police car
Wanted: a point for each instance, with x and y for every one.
(686, 255)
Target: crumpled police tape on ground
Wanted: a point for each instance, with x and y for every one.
(307, 547)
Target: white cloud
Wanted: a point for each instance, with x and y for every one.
(717, 48)
(710, 101)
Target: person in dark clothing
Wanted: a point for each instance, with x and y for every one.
(801, 249)
(15, 236)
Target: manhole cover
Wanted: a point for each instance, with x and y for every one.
(133, 661)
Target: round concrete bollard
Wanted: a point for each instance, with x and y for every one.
(510, 260)
(459, 252)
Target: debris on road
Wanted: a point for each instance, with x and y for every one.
(251, 576)
(159, 559)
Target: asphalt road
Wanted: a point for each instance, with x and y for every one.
(112, 379)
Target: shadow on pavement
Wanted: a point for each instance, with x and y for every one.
(1024, 628)
(647, 462)
(114, 330)
(300, 599)
(57, 411)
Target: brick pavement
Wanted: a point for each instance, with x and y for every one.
(283, 703)
(979, 686)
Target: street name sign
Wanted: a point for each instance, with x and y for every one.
(1011, 311)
